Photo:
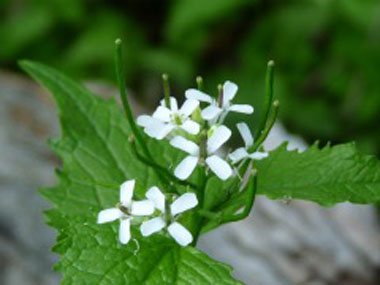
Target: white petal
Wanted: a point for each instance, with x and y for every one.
(238, 155)
(185, 145)
(229, 92)
(197, 95)
(162, 114)
(142, 208)
(154, 128)
(189, 107)
(158, 199)
(191, 127)
(145, 120)
(126, 192)
(159, 130)
(109, 215)
(152, 226)
(180, 234)
(219, 166)
(211, 112)
(165, 131)
(245, 134)
(183, 203)
(241, 108)
(220, 135)
(173, 104)
(125, 231)
(258, 155)
(186, 167)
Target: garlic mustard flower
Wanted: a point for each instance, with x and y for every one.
(217, 111)
(126, 210)
(178, 232)
(219, 166)
(242, 152)
(165, 120)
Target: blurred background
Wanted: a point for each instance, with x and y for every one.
(327, 54)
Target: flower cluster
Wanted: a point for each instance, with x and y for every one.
(200, 132)
(196, 128)
(156, 207)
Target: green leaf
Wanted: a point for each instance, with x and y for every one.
(92, 255)
(94, 150)
(326, 176)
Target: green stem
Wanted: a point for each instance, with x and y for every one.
(264, 134)
(124, 100)
(268, 97)
(208, 214)
(165, 79)
(250, 199)
(158, 167)
(128, 112)
(247, 198)
(220, 95)
(200, 195)
(252, 193)
(201, 187)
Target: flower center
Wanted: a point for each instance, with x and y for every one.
(123, 209)
(177, 119)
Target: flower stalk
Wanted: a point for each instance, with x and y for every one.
(251, 190)
(270, 122)
(220, 95)
(199, 81)
(208, 214)
(123, 95)
(158, 168)
(269, 79)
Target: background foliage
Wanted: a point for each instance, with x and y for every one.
(327, 52)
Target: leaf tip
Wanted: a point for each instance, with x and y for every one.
(23, 63)
(27, 65)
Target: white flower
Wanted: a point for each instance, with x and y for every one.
(185, 202)
(217, 111)
(242, 152)
(126, 210)
(218, 165)
(165, 120)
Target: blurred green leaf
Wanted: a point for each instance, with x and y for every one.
(21, 29)
(189, 20)
(177, 65)
(327, 52)
(92, 52)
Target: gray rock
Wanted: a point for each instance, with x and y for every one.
(27, 120)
